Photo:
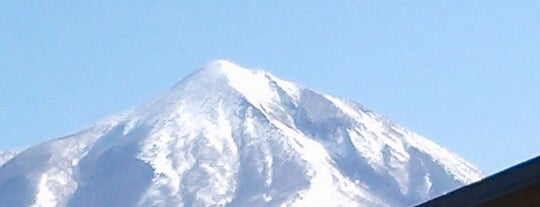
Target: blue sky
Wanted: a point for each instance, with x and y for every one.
(465, 74)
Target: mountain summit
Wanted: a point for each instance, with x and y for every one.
(229, 136)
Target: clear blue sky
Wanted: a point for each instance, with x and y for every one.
(464, 73)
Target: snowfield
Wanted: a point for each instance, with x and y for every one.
(229, 136)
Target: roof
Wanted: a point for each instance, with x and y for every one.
(517, 186)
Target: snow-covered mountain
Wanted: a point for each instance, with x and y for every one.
(228, 136)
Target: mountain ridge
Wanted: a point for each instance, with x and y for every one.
(6, 155)
(229, 136)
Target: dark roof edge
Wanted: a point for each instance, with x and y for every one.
(511, 179)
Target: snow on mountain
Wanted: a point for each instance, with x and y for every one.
(229, 136)
(6, 156)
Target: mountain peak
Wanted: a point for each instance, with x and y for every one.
(219, 71)
(258, 87)
(221, 68)
(221, 64)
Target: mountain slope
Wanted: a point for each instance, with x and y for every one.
(6, 156)
(228, 136)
